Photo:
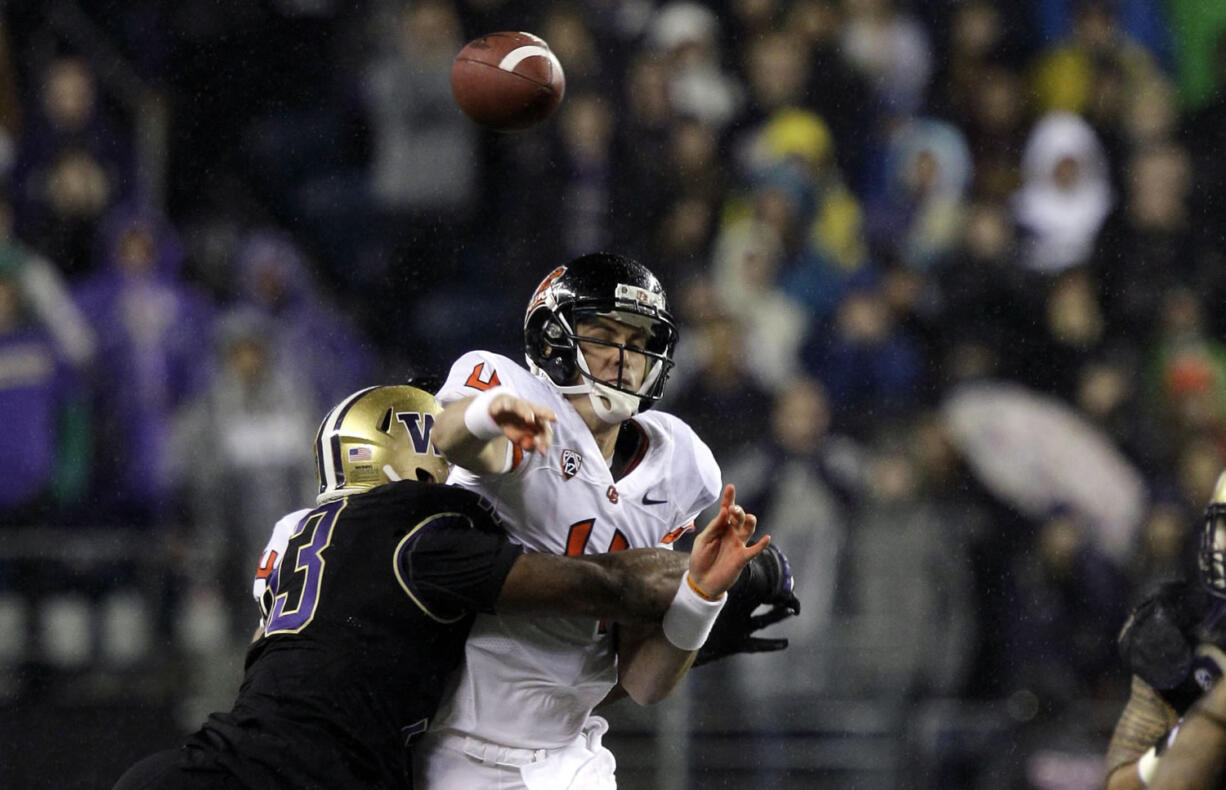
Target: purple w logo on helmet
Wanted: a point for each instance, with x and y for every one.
(419, 426)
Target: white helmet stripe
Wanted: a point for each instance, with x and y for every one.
(329, 446)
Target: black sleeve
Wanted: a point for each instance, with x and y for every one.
(450, 568)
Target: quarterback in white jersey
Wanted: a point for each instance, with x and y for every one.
(584, 472)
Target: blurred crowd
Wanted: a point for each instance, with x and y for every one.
(949, 276)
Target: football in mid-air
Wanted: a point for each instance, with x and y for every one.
(507, 81)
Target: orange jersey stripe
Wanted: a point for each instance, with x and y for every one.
(676, 533)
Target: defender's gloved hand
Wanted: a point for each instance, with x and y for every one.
(766, 580)
(1173, 641)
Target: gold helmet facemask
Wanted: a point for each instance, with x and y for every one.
(1212, 555)
(375, 436)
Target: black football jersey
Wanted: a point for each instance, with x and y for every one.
(365, 617)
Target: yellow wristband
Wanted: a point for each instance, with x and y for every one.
(701, 593)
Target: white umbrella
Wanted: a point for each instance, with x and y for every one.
(1035, 452)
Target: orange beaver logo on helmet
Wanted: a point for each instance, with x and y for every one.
(538, 297)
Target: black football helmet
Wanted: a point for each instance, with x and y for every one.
(1212, 555)
(606, 285)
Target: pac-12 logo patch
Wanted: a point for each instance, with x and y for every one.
(571, 463)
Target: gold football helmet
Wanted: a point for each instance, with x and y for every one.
(375, 436)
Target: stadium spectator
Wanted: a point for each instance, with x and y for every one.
(1090, 47)
(802, 479)
(46, 295)
(72, 166)
(833, 88)
(643, 135)
(309, 337)
(148, 320)
(986, 299)
(690, 190)
(424, 168)
(978, 34)
(1152, 117)
(687, 34)
(871, 365)
(790, 180)
(578, 46)
(583, 189)
(1185, 376)
(906, 565)
(722, 397)
(235, 451)
(1110, 392)
(777, 73)
(1068, 599)
(771, 323)
(49, 433)
(1203, 132)
(1151, 244)
(1165, 548)
(1071, 332)
(892, 51)
(995, 121)
(1066, 194)
(915, 220)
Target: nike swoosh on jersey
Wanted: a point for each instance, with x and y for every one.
(647, 500)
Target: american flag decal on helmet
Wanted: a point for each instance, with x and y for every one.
(633, 293)
(359, 454)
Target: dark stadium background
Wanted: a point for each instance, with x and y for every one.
(838, 195)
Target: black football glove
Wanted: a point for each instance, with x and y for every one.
(766, 580)
(1173, 641)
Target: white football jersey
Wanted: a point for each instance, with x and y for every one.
(270, 559)
(532, 682)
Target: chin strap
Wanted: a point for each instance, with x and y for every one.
(612, 406)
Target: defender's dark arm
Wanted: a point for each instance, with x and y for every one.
(1197, 758)
(1145, 720)
(626, 586)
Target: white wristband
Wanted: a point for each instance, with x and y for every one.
(688, 621)
(477, 417)
(1148, 765)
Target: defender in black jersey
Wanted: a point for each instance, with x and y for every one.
(368, 598)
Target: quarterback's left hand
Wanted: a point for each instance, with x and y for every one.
(722, 549)
(766, 580)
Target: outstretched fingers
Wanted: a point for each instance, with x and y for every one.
(526, 424)
(757, 548)
(538, 437)
(730, 513)
(720, 550)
